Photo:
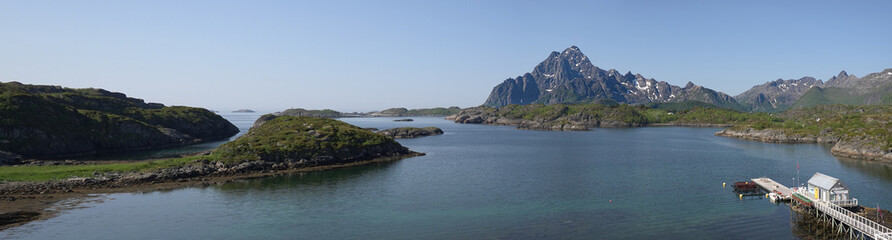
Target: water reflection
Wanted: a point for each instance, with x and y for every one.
(872, 168)
(340, 176)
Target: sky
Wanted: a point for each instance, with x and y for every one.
(371, 55)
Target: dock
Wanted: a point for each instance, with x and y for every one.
(848, 222)
(771, 186)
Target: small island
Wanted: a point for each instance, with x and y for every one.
(243, 111)
(411, 132)
(403, 120)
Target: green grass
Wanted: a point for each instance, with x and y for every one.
(295, 138)
(827, 96)
(57, 172)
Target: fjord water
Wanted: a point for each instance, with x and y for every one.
(492, 182)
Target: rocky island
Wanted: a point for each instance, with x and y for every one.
(421, 112)
(51, 122)
(411, 132)
(325, 113)
(243, 111)
(274, 145)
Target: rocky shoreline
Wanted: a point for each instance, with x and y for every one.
(862, 149)
(576, 122)
(853, 148)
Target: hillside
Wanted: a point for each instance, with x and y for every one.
(51, 121)
(857, 131)
(806, 92)
(776, 95)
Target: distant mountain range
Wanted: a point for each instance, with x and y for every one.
(569, 77)
(779, 95)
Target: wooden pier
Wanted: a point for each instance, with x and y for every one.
(848, 221)
(771, 186)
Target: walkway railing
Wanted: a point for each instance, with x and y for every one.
(862, 224)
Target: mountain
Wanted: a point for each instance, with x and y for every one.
(872, 89)
(569, 77)
(776, 95)
(51, 121)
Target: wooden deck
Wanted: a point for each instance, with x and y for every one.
(771, 186)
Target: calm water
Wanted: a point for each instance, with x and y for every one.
(241, 120)
(493, 183)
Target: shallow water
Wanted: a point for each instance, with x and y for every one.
(492, 182)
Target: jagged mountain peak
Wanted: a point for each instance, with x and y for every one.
(842, 73)
(569, 77)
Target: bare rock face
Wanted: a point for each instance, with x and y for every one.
(411, 132)
(569, 77)
(776, 95)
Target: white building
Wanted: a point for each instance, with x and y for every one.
(829, 189)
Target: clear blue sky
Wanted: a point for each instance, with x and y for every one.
(371, 55)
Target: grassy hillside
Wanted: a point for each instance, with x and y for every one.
(827, 96)
(46, 121)
(866, 124)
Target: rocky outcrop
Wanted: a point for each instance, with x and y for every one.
(863, 148)
(411, 132)
(775, 136)
(569, 77)
(51, 121)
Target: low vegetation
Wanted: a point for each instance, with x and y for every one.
(50, 121)
(55, 172)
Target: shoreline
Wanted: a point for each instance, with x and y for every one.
(841, 148)
(864, 151)
(25, 202)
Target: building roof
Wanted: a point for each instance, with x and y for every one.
(822, 181)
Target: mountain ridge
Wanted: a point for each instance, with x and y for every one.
(570, 77)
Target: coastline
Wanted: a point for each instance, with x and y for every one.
(862, 149)
(25, 202)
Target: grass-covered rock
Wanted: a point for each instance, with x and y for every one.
(307, 141)
(411, 132)
(51, 121)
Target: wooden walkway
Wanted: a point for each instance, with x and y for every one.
(771, 186)
(839, 214)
